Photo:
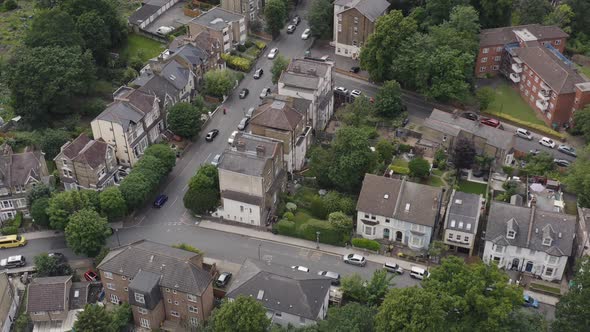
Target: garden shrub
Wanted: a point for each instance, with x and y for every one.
(317, 207)
(260, 45)
(327, 233)
(248, 43)
(12, 225)
(289, 216)
(347, 205)
(237, 62)
(404, 148)
(400, 170)
(366, 244)
(286, 227)
(241, 48)
(291, 206)
(9, 230)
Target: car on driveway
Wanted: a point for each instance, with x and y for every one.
(244, 93)
(223, 279)
(211, 135)
(305, 35)
(561, 162)
(258, 73)
(216, 160)
(332, 275)
(243, 124)
(265, 93)
(300, 268)
(341, 90)
(291, 28)
(232, 137)
(273, 53)
(296, 20)
(548, 142)
(529, 301)
(490, 122)
(91, 276)
(523, 133)
(164, 30)
(160, 201)
(355, 259)
(567, 150)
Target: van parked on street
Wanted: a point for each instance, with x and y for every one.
(418, 273)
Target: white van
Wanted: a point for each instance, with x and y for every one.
(418, 273)
(164, 30)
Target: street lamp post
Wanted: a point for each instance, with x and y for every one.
(317, 239)
(259, 245)
(117, 233)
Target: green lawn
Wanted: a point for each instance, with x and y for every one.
(508, 101)
(399, 161)
(435, 181)
(472, 187)
(142, 47)
(584, 69)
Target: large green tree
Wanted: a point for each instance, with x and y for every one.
(135, 188)
(419, 168)
(352, 158)
(64, 204)
(279, 65)
(203, 190)
(561, 16)
(581, 21)
(87, 232)
(463, 153)
(95, 33)
(533, 11)
(53, 28)
(184, 120)
(388, 101)
(321, 18)
(494, 13)
(241, 314)
(582, 123)
(94, 318)
(39, 211)
(411, 309)
(573, 309)
(275, 14)
(219, 82)
(52, 141)
(112, 203)
(439, 11)
(352, 317)
(540, 164)
(43, 80)
(320, 164)
(165, 155)
(370, 293)
(578, 178)
(39, 191)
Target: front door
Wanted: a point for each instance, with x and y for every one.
(515, 264)
(386, 233)
(529, 267)
(398, 236)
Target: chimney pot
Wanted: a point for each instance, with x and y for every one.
(260, 150)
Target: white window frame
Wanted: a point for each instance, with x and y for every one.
(114, 299)
(485, 50)
(139, 298)
(194, 321)
(193, 309)
(144, 322)
(111, 286)
(108, 275)
(142, 311)
(174, 313)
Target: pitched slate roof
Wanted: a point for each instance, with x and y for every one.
(128, 108)
(464, 208)
(281, 289)
(192, 54)
(17, 168)
(172, 264)
(85, 150)
(47, 294)
(372, 9)
(531, 236)
(216, 18)
(378, 195)
(505, 35)
(299, 80)
(276, 114)
(247, 161)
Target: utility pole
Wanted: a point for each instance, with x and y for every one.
(317, 239)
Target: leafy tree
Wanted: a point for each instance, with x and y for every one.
(411, 309)
(39, 191)
(39, 211)
(46, 4)
(465, 20)
(53, 140)
(279, 65)
(135, 188)
(388, 101)
(533, 11)
(43, 80)
(95, 33)
(439, 11)
(121, 316)
(494, 13)
(561, 16)
(219, 82)
(523, 320)
(241, 314)
(581, 20)
(112, 203)
(385, 150)
(352, 158)
(449, 79)
(352, 317)
(484, 161)
(419, 168)
(152, 168)
(184, 120)
(321, 18)
(94, 318)
(573, 309)
(436, 249)
(9, 5)
(485, 97)
(320, 164)
(47, 266)
(52, 28)
(340, 222)
(357, 113)
(275, 15)
(540, 164)
(578, 178)
(164, 154)
(582, 122)
(87, 232)
(203, 190)
(353, 288)
(391, 32)
(64, 204)
(464, 153)
(378, 287)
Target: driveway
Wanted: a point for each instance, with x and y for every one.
(172, 17)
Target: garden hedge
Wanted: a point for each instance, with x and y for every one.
(237, 62)
(327, 233)
(366, 244)
(286, 227)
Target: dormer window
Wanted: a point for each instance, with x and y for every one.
(547, 241)
(139, 298)
(511, 234)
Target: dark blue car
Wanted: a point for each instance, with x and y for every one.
(160, 201)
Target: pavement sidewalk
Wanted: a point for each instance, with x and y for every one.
(325, 248)
(42, 234)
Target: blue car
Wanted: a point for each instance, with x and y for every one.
(530, 302)
(160, 201)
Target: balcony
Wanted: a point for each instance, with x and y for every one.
(542, 105)
(514, 77)
(517, 68)
(543, 94)
(545, 86)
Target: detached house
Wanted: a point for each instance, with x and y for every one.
(311, 80)
(19, 173)
(398, 210)
(131, 123)
(462, 220)
(354, 22)
(85, 163)
(251, 177)
(223, 27)
(167, 288)
(529, 240)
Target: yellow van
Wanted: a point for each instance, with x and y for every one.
(12, 241)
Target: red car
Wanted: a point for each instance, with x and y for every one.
(490, 122)
(91, 276)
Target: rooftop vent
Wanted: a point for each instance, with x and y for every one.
(386, 196)
(536, 230)
(458, 202)
(260, 295)
(407, 207)
(559, 235)
(151, 258)
(76, 293)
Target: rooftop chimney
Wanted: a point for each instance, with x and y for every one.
(241, 146)
(312, 71)
(260, 150)
(297, 68)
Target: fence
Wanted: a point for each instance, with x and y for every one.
(152, 35)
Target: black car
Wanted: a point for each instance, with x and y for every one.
(223, 279)
(244, 93)
(58, 256)
(258, 73)
(296, 20)
(470, 115)
(405, 122)
(211, 135)
(355, 69)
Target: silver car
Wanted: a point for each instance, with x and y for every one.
(216, 160)
(355, 259)
(332, 275)
(265, 93)
(243, 124)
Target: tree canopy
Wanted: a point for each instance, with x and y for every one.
(279, 65)
(112, 203)
(419, 168)
(64, 204)
(87, 232)
(241, 314)
(352, 317)
(275, 14)
(184, 119)
(321, 18)
(388, 101)
(218, 82)
(573, 309)
(578, 178)
(203, 190)
(464, 153)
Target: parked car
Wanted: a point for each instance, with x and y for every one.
(356, 93)
(13, 262)
(548, 142)
(265, 93)
(12, 241)
(223, 279)
(258, 73)
(332, 275)
(250, 112)
(341, 90)
(470, 116)
(561, 162)
(529, 301)
(216, 160)
(291, 28)
(273, 53)
(244, 93)
(306, 33)
(160, 201)
(418, 273)
(296, 20)
(232, 137)
(164, 30)
(58, 256)
(355, 69)
(567, 150)
(355, 259)
(393, 268)
(300, 268)
(211, 135)
(490, 122)
(91, 276)
(520, 132)
(534, 152)
(405, 121)
(243, 124)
